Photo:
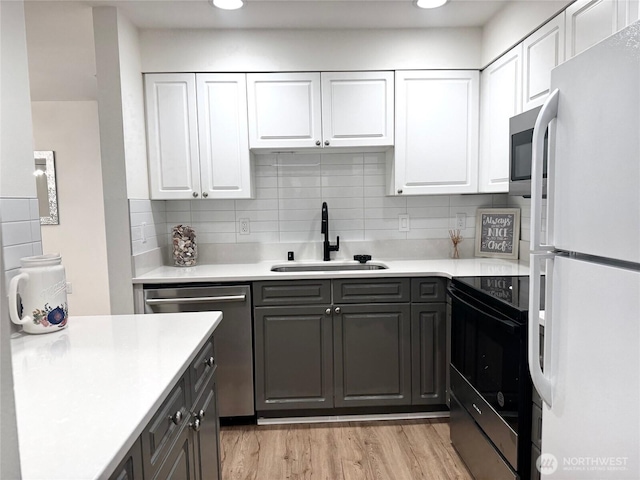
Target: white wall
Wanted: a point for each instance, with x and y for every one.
(515, 22)
(71, 130)
(309, 50)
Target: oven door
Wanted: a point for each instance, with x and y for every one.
(487, 349)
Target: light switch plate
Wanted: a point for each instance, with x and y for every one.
(403, 223)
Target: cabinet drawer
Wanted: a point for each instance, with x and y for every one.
(301, 292)
(201, 368)
(374, 290)
(164, 428)
(426, 290)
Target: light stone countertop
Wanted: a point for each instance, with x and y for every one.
(397, 268)
(84, 394)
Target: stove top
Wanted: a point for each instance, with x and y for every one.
(511, 293)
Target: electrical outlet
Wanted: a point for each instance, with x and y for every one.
(403, 223)
(244, 226)
(461, 221)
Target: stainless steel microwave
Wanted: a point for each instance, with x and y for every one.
(520, 150)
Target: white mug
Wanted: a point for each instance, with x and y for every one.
(42, 287)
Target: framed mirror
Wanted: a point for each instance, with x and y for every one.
(45, 173)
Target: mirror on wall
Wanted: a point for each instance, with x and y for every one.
(45, 173)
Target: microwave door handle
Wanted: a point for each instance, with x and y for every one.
(510, 326)
(548, 112)
(541, 381)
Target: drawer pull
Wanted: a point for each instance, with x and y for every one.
(200, 415)
(477, 409)
(209, 362)
(178, 300)
(176, 418)
(195, 426)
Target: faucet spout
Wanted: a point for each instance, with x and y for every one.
(327, 248)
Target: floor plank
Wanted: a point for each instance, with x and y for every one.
(388, 450)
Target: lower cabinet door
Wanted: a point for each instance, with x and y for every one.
(130, 467)
(179, 463)
(293, 364)
(205, 425)
(372, 355)
(429, 353)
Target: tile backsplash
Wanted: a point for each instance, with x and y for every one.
(20, 232)
(286, 208)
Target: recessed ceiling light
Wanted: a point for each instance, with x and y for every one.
(430, 3)
(227, 4)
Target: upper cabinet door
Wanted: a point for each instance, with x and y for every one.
(284, 110)
(589, 21)
(223, 135)
(172, 135)
(543, 51)
(357, 109)
(501, 100)
(436, 132)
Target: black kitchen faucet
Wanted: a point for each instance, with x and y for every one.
(327, 247)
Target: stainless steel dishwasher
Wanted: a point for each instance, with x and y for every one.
(233, 340)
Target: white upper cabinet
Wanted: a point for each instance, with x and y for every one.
(223, 135)
(436, 132)
(332, 109)
(543, 51)
(197, 136)
(357, 109)
(589, 21)
(172, 135)
(501, 100)
(284, 110)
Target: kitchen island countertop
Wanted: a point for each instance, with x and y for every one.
(84, 394)
(396, 268)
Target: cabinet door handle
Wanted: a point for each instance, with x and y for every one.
(337, 310)
(326, 142)
(195, 425)
(200, 415)
(209, 362)
(318, 143)
(205, 194)
(176, 418)
(399, 191)
(195, 194)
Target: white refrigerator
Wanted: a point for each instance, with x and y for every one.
(590, 375)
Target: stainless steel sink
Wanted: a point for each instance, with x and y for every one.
(327, 267)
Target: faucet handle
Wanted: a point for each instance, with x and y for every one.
(336, 247)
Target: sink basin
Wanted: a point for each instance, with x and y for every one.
(327, 267)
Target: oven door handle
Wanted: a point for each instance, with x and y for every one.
(183, 300)
(510, 326)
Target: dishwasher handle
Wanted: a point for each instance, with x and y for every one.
(178, 300)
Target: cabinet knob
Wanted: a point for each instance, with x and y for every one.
(399, 190)
(318, 142)
(327, 311)
(205, 194)
(195, 425)
(200, 414)
(337, 310)
(209, 362)
(176, 418)
(326, 142)
(195, 194)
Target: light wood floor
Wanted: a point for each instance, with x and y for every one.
(388, 450)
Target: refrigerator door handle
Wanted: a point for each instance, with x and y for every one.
(548, 112)
(541, 381)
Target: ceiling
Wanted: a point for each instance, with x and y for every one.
(323, 14)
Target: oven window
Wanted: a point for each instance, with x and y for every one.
(486, 350)
(521, 151)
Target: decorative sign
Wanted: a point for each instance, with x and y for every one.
(498, 232)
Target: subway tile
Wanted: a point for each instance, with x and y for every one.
(260, 227)
(139, 206)
(212, 205)
(379, 157)
(266, 182)
(298, 204)
(428, 233)
(265, 171)
(345, 213)
(337, 226)
(136, 234)
(298, 182)
(13, 254)
(266, 193)
(300, 237)
(15, 233)
(264, 159)
(34, 208)
(213, 216)
(15, 209)
(307, 214)
(178, 205)
(342, 192)
(36, 231)
(342, 170)
(388, 213)
(138, 219)
(422, 223)
(375, 169)
(300, 193)
(351, 236)
(259, 237)
(374, 180)
(215, 227)
(258, 215)
(224, 237)
(384, 234)
(270, 204)
(37, 248)
(381, 224)
(342, 159)
(469, 211)
(477, 200)
(176, 218)
(428, 212)
(374, 191)
(342, 181)
(335, 204)
(302, 170)
(500, 200)
(386, 202)
(428, 201)
(299, 225)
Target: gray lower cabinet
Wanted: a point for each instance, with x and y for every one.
(429, 353)
(372, 355)
(181, 441)
(293, 357)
